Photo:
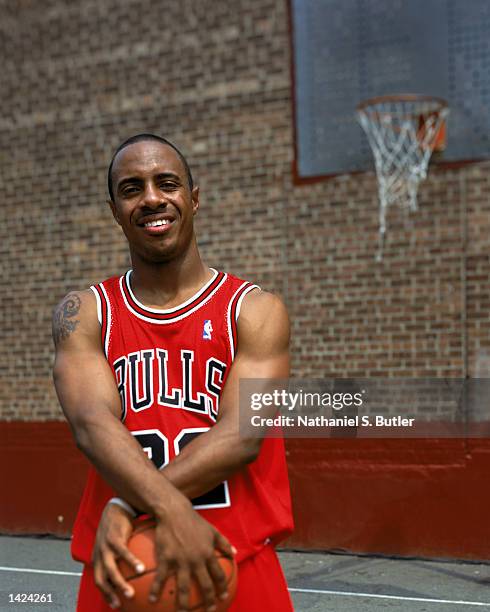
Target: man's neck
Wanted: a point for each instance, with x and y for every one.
(168, 284)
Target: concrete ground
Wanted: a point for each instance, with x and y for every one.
(318, 582)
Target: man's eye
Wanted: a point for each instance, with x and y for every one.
(129, 190)
(168, 185)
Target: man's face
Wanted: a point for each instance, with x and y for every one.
(152, 200)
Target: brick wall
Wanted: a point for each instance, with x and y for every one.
(215, 78)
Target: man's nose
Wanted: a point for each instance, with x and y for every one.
(152, 196)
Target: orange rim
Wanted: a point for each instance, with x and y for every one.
(365, 104)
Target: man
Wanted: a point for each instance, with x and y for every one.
(148, 366)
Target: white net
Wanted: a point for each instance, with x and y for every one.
(403, 132)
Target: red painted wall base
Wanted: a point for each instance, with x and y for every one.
(404, 497)
(42, 475)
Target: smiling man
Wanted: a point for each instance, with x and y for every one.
(147, 371)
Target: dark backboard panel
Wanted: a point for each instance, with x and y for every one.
(348, 50)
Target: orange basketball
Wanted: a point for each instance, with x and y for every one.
(142, 544)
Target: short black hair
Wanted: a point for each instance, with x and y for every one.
(140, 138)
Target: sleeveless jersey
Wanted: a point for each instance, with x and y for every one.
(170, 367)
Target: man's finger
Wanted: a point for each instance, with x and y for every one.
(183, 589)
(207, 588)
(124, 553)
(103, 584)
(115, 577)
(159, 581)
(219, 577)
(224, 545)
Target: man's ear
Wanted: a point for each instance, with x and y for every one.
(114, 211)
(195, 199)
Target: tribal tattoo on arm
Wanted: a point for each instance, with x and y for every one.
(64, 321)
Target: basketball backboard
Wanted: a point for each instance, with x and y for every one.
(349, 50)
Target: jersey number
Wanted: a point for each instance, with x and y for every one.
(155, 445)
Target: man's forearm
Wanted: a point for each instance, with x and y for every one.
(120, 460)
(208, 460)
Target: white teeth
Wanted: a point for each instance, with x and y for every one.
(157, 223)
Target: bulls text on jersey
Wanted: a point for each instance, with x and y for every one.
(143, 381)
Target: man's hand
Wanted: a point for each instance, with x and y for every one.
(185, 545)
(113, 533)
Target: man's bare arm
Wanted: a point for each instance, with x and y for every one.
(90, 400)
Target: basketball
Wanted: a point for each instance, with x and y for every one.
(142, 544)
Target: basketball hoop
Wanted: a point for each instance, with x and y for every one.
(403, 131)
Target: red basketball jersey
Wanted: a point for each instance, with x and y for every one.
(170, 367)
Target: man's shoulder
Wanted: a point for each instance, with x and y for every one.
(263, 325)
(263, 307)
(74, 301)
(263, 315)
(76, 311)
(259, 302)
(82, 313)
(84, 301)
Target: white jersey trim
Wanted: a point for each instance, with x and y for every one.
(176, 308)
(240, 299)
(99, 305)
(109, 321)
(173, 319)
(239, 305)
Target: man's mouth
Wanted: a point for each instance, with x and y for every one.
(158, 223)
(153, 224)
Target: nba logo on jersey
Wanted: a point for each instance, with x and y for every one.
(207, 329)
